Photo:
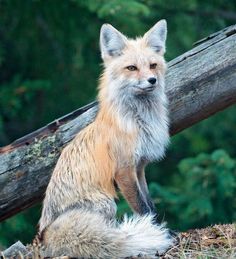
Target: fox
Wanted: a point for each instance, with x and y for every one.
(130, 130)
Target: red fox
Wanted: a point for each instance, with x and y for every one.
(130, 130)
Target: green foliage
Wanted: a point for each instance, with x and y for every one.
(10, 94)
(114, 7)
(23, 227)
(49, 61)
(203, 192)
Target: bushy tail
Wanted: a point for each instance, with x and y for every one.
(86, 234)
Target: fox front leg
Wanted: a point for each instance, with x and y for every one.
(128, 183)
(144, 188)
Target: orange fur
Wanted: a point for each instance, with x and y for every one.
(131, 129)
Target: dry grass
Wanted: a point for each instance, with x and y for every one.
(218, 241)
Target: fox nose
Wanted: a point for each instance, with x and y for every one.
(152, 80)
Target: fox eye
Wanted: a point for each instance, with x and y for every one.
(153, 66)
(132, 68)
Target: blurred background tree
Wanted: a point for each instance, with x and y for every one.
(49, 61)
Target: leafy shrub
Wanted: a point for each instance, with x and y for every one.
(202, 193)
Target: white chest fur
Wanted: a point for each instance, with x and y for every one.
(150, 119)
(153, 135)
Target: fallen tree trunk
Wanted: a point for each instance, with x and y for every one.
(199, 83)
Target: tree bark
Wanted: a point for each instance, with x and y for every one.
(199, 83)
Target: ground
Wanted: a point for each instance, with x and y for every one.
(217, 242)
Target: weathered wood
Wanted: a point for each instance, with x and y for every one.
(199, 83)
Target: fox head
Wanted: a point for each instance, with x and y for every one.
(133, 67)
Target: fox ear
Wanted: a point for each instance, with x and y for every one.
(112, 42)
(156, 36)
